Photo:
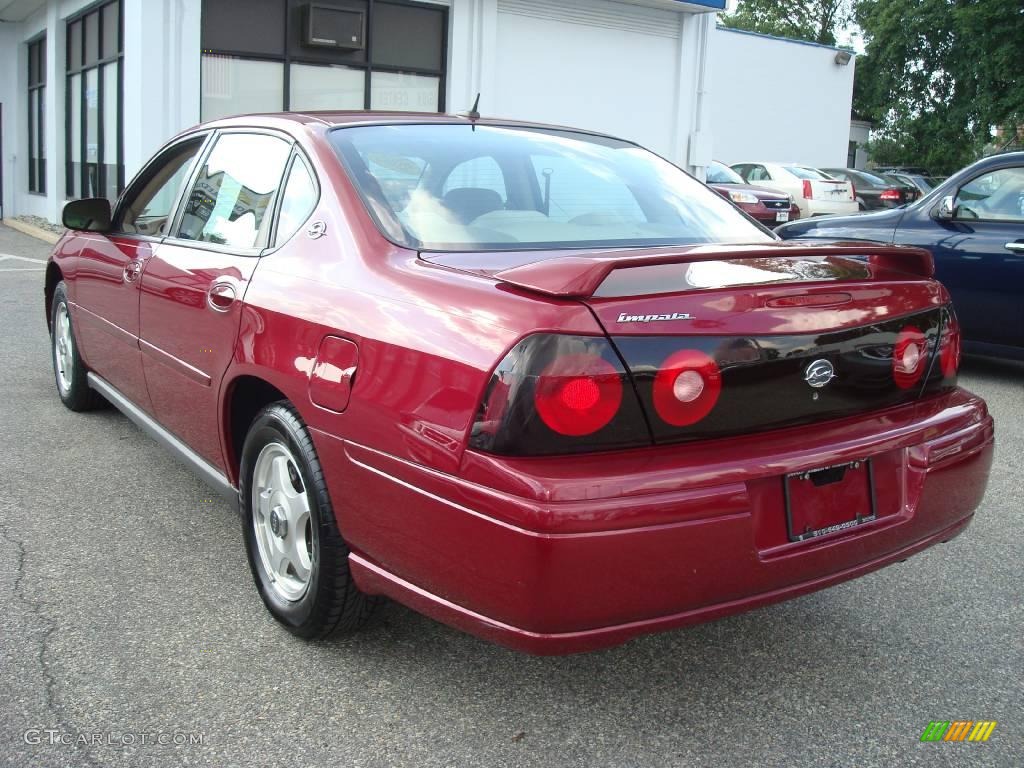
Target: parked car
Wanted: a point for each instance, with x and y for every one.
(513, 376)
(924, 184)
(815, 193)
(912, 169)
(767, 206)
(874, 192)
(973, 224)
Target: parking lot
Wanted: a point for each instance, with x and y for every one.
(128, 616)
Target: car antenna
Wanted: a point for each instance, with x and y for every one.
(474, 111)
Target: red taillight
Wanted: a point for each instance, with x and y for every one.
(686, 387)
(853, 191)
(890, 194)
(909, 357)
(949, 348)
(808, 192)
(578, 394)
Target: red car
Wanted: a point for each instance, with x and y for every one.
(536, 383)
(769, 207)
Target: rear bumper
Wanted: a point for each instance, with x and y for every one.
(571, 554)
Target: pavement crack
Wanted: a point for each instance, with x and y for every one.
(42, 643)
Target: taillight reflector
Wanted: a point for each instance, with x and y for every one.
(686, 387)
(578, 394)
(949, 349)
(909, 358)
(890, 194)
(808, 191)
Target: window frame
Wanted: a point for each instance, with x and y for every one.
(298, 154)
(200, 162)
(36, 48)
(368, 66)
(71, 69)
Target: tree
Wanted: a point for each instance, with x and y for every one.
(814, 20)
(938, 76)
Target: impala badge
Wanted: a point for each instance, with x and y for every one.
(819, 373)
(624, 318)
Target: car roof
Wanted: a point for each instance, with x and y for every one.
(342, 118)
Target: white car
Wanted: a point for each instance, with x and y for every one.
(815, 192)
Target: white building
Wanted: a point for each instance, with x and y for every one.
(90, 88)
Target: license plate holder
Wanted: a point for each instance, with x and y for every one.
(782, 216)
(829, 499)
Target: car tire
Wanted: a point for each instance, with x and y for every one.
(296, 553)
(69, 371)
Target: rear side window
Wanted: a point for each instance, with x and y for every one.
(759, 173)
(231, 199)
(298, 198)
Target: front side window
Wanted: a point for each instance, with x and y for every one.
(998, 196)
(95, 146)
(230, 202)
(147, 205)
(36, 116)
(500, 188)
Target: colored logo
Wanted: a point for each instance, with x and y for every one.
(819, 373)
(958, 730)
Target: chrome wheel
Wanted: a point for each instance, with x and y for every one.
(282, 522)
(63, 351)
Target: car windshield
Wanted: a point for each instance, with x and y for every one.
(455, 187)
(723, 174)
(806, 173)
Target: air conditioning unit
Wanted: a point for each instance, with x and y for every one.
(328, 26)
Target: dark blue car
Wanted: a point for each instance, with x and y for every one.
(973, 223)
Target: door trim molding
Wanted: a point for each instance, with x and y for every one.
(175, 363)
(206, 471)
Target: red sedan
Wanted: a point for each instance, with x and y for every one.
(767, 206)
(536, 383)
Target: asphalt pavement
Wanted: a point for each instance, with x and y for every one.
(128, 618)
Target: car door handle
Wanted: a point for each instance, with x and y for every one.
(132, 270)
(1016, 247)
(221, 296)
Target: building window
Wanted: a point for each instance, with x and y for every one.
(95, 144)
(36, 116)
(267, 66)
(851, 155)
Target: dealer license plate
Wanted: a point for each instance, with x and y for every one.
(829, 500)
(782, 216)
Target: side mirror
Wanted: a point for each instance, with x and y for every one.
(91, 214)
(946, 209)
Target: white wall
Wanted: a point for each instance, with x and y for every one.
(779, 101)
(618, 68)
(860, 133)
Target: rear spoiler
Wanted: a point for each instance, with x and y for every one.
(573, 276)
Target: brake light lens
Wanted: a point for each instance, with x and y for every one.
(949, 347)
(559, 394)
(890, 194)
(853, 191)
(808, 191)
(686, 387)
(578, 394)
(909, 357)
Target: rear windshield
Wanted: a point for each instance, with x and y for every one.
(453, 187)
(806, 173)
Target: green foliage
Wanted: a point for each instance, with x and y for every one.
(814, 20)
(938, 76)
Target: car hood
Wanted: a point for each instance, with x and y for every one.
(761, 192)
